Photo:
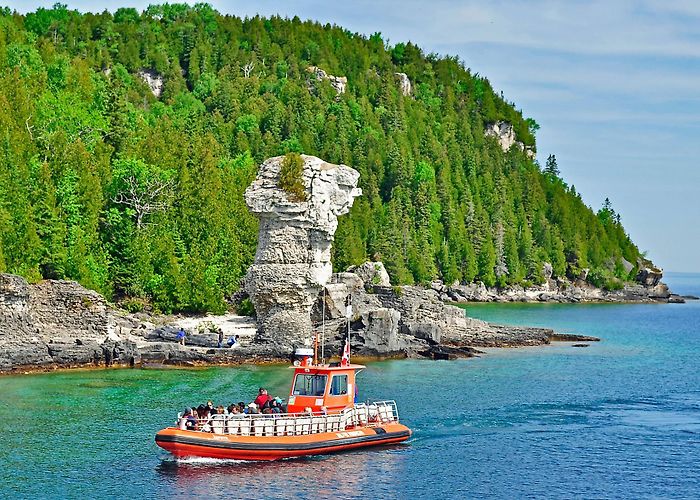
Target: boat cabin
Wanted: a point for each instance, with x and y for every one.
(315, 386)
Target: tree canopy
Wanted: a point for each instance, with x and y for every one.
(140, 196)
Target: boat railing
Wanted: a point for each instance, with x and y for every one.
(297, 424)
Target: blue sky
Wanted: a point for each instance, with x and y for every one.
(614, 85)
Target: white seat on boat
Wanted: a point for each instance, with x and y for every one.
(234, 425)
(280, 426)
(333, 423)
(258, 426)
(245, 427)
(318, 425)
(305, 425)
(269, 427)
(217, 424)
(381, 413)
(361, 415)
(372, 413)
(291, 426)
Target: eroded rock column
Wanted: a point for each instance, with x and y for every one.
(293, 258)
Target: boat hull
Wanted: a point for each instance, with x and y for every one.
(184, 444)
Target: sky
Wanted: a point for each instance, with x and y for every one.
(614, 85)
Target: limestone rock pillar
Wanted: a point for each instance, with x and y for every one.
(293, 258)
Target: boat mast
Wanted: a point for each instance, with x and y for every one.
(323, 328)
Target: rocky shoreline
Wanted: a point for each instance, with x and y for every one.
(646, 287)
(61, 325)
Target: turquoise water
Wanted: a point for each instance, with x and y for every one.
(620, 418)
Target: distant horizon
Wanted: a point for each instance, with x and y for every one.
(613, 87)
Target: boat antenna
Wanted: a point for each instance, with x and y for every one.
(315, 348)
(348, 314)
(323, 328)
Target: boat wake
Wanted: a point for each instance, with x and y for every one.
(202, 461)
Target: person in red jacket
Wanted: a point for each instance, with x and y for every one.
(262, 398)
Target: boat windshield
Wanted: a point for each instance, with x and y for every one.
(310, 385)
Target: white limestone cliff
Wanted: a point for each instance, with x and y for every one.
(505, 135)
(404, 83)
(339, 83)
(153, 79)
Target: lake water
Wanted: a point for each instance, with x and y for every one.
(620, 418)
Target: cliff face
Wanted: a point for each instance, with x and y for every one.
(55, 323)
(505, 135)
(293, 258)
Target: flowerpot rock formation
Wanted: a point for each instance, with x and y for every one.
(293, 258)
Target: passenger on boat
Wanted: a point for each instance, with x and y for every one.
(203, 418)
(275, 406)
(188, 421)
(218, 421)
(324, 410)
(233, 409)
(263, 397)
(252, 409)
(280, 402)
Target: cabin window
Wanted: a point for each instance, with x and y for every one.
(339, 385)
(310, 385)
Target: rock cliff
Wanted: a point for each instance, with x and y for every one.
(404, 83)
(339, 83)
(153, 79)
(293, 258)
(505, 135)
(56, 323)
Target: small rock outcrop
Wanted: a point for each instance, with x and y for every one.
(404, 83)
(153, 79)
(406, 320)
(293, 258)
(339, 83)
(505, 135)
(372, 274)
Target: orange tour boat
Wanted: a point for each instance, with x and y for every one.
(322, 417)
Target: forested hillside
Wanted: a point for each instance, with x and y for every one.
(140, 196)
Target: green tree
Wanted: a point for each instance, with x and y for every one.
(291, 177)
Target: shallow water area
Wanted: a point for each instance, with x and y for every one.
(619, 418)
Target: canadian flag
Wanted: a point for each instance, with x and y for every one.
(345, 360)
